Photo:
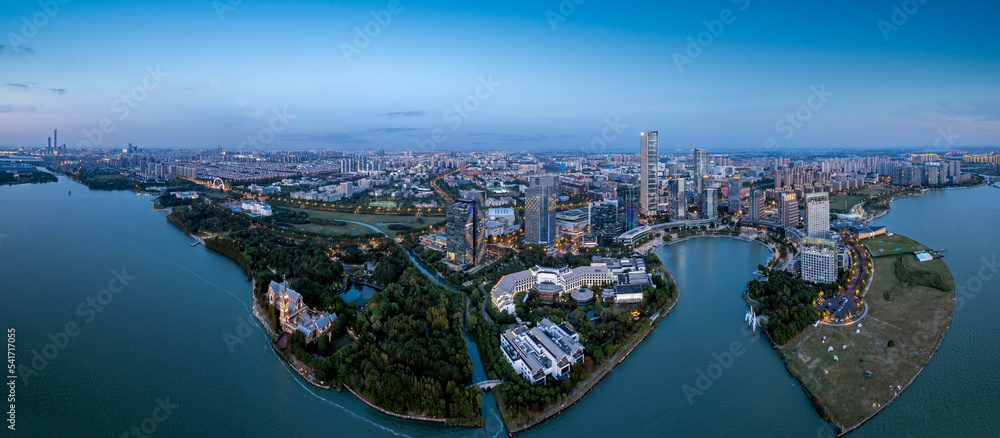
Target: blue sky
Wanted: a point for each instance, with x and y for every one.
(560, 72)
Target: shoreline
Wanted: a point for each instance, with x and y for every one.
(270, 334)
(822, 410)
(583, 391)
(882, 213)
(653, 323)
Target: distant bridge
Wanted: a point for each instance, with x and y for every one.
(486, 384)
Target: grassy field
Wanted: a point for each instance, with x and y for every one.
(914, 324)
(843, 203)
(383, 204)
(873, 191)
(887, 245)
(355, 229)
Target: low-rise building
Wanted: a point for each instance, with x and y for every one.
(545, 350)
(294, 315)
(255, 208)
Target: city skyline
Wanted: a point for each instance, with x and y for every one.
(313, 76)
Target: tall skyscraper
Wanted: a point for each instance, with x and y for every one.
(735, 198)
(678, 199)
(819, 260)
(628, 208)
(540, 216)
(649, 149)
(817, 214)
(756, 204)
(789, 207)
(709, 205)
(604, 222)
(701, 158)
(466, 229)
(55, 138)
(552, 181)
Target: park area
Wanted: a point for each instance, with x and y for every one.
(873, 191)
(843, 203)
(352, 229)
(884, 245)
(893, 342)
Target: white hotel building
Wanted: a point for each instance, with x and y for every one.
(600, 272)
(545, 350)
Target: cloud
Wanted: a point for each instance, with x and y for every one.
(23, 86)
(394, 130)
(407, 114)
(59, 91)
(13, 50)
(16, 109)
(324, 137)
(980, 110)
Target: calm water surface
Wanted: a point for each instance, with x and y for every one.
(179, 332)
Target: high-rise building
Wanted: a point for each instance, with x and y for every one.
(756, 204)
(709, 208)
(735, 195)
(628, 208)
(552, 181)
(819, 260)
(817, 214)
(701, 170)
(678, 199)
(540, 216)
(604, 222)
(649, 149)
(789, 207)
(466, 229)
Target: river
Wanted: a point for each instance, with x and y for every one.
(178, 334)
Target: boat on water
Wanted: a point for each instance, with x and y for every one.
(69, 192)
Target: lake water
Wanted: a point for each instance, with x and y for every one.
(179, 332)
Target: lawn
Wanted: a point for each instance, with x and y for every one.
(873, 191)
(843, 203)
(383, 204)
(915, 323)
(355, 229)
(886, 245)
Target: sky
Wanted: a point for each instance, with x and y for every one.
(574, 75)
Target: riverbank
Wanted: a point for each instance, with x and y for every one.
(595, 378)
(304, 370)
(873, 362)
(879, 213)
